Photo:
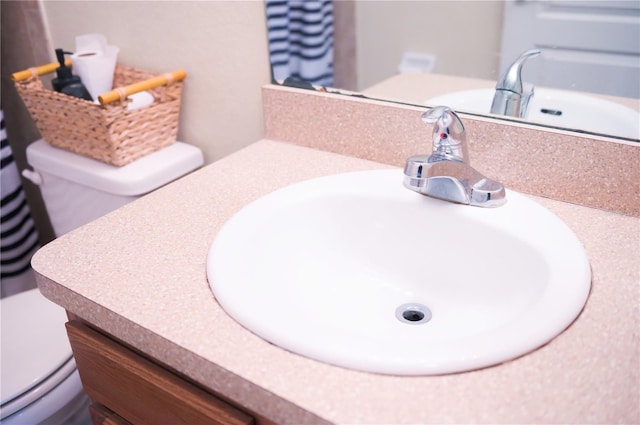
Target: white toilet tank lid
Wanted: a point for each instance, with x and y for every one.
(136, 178)
(34, 341)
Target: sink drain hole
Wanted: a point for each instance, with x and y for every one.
(413, 316)
(413, 313)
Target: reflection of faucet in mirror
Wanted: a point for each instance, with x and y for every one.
(512, 96)
(446, 173)
(575, 56)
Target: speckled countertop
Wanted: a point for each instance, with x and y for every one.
(139, 274)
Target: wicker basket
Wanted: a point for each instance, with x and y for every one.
(109, 133)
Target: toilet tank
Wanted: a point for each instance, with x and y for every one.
(77, 189)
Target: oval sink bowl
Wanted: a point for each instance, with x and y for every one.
(556, 108)
(357, 271)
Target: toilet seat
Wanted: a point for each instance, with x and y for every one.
(36, 355)
(34, 393)
(66, 404)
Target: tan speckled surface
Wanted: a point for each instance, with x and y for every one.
(587, 170)
(139, 274)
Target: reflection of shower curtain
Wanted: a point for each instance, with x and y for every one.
(301, 40)
(19, 237)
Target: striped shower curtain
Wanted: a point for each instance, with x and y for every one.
(18, 234)
(301, 40)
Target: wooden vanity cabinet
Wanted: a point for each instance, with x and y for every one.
(127, 388)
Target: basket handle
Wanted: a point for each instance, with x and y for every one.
(122, 92)
(38, 70)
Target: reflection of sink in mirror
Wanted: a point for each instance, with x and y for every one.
(556, 108)
(357, 271)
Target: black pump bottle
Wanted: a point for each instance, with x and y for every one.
(66, 82)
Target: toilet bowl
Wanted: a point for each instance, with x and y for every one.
(40, 383)
(44, 387)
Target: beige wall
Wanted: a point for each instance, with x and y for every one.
(221, 44)
(464, 36)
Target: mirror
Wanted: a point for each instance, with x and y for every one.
(414, 51)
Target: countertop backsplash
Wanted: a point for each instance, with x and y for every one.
(587, 170)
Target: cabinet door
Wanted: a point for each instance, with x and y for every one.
(140, 391)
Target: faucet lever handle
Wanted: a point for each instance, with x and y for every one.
(449, 139)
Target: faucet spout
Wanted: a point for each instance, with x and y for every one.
(446, 173)
(512, 96)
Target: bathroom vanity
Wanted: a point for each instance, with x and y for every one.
(151, 341)
(120, 380)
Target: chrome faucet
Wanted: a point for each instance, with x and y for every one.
(446, 173)
(512, 96)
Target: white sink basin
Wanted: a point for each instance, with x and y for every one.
(578, 111)
(323, 267)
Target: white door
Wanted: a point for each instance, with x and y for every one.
(587, 45)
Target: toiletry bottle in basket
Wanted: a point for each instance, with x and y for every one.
(66, 82)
